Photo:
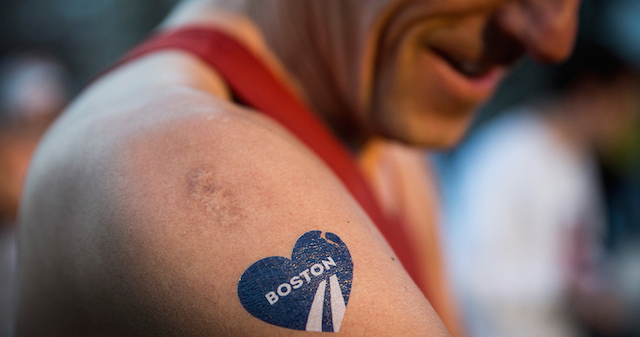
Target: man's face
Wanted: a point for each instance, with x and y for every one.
(427, 65)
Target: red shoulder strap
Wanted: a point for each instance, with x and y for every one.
(255, 85)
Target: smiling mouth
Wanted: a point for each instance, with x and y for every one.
(470, 68)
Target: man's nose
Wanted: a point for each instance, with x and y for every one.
(547, 28)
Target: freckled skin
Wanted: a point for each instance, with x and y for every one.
(215, 196)
(171, 269)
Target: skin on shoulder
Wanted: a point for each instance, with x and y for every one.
(179, 192)
(153, 196)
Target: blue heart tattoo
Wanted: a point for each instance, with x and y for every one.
(308, 292)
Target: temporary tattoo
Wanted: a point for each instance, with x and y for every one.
(308, 292)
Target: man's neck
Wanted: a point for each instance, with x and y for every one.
(261, 27)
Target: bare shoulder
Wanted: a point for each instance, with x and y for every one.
(143, 220)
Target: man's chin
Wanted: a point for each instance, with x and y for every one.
(438, 133)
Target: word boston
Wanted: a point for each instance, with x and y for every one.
(308, 292)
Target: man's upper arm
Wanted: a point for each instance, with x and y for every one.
(144, 222)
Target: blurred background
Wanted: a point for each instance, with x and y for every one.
(49, 49)
(540, 203)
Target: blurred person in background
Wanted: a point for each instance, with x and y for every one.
(165, 180)
(526, 221)
(33, 90)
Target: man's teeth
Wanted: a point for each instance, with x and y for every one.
(471, 69)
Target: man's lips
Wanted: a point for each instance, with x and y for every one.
(467, 67)
(471, 80)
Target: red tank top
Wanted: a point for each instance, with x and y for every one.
(254, 85)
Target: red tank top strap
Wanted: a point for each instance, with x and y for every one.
(255, 85)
